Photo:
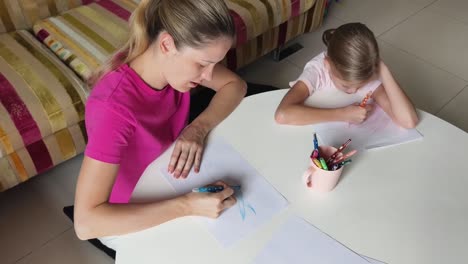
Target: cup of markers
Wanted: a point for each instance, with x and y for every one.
(326, 166)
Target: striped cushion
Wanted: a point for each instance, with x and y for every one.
(254, 17)
(22, 14)
(84, 37)
(275, 37)
(41, 109)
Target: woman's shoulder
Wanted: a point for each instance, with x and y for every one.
(108, 96)
(106, 86)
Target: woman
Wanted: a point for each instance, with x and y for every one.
(139, 107)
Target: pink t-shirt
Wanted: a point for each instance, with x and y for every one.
(316, 77)
(131, 124)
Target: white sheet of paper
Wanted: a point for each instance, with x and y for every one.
(300, 242)
(376, 132)
(257, 202)
(373, 261)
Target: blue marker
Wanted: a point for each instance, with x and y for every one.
(316, 146)
(315, 152)
(214, 189)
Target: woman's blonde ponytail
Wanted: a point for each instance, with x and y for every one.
(190, 22)
(137, 43)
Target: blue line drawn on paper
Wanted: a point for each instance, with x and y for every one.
(243, 205)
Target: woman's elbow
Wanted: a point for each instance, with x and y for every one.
(82, 227)
(243, 87)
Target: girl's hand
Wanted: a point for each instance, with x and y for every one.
(188, 151)
(355, 114)
(210, 204)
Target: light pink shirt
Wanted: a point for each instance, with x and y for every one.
(131, 124)
(316, 77)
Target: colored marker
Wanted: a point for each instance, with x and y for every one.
(364, 101)
(347, 155)
(316, 146)
(345, 162)
(338, 151)
(339, 165)
(317, 163)
(335, 167)
(324, 164)
(214, 189)
(315, 152)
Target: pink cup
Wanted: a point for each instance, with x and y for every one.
(319, 179)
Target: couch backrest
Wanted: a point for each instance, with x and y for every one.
(22, 14)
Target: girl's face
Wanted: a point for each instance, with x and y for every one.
(187, 67)
(349, 87)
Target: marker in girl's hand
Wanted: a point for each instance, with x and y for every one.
(364, 101)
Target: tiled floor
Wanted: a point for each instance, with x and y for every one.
(425, 43)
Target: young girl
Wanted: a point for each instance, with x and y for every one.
(352, 65)
(139, 107)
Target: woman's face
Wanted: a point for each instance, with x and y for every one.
(187, 67)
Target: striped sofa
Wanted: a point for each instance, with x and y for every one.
(49, 47)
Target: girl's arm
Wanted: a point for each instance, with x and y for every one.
(394, 101)
(95, 217)
(292, 111)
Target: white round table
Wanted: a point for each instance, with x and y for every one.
(403, 204)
